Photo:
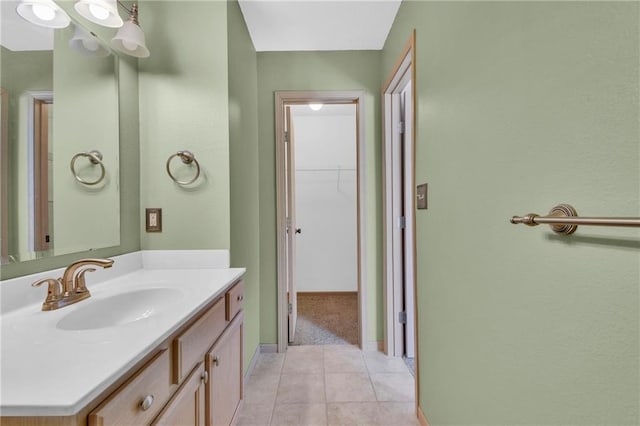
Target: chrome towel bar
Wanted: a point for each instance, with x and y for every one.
(95, 157)
(187, 157)
(564, 219)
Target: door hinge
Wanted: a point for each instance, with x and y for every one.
(402, 317)
(290, 308)
(286, 136)
(402, 222)
(400, 127)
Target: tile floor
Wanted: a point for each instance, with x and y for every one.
(328, 385)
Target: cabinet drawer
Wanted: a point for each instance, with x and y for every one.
(189, 348)
(139, 400)
(234, 299)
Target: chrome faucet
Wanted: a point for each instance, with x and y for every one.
(71, 287)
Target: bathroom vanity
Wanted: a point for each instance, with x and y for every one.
(152, 346)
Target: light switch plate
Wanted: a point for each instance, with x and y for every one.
(421, 196)
(153, 219)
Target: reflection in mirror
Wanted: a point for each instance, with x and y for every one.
(44, 210)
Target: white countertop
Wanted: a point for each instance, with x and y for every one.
(46, 371)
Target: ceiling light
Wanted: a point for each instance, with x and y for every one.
(44, 13)
(316, 107)
(87, 44)
(101, 12)
(130, 38)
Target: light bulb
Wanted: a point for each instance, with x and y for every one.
(98, 11)
(43, 12)
(315, 107)
(129, 45)
(90, 44)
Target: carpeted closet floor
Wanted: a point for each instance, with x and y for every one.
(327, 319)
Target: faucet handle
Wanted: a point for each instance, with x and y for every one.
(55, 288)
(80, 284)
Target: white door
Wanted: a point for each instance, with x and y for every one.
(409, 212)
(291, 228)
(400, 212)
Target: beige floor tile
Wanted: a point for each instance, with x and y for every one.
(303, 362)
(300, 414)
(254, 415)
(306, 349)
(353, 413)
(262, 389)
(398, 414)
(340, 348)
(268, 364)
(396, 387)
(348, 387)
(300, 388)
(377, 362)
(345, 361)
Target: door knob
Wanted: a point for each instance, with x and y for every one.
(298, 231)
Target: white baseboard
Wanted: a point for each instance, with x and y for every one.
(252, 364)
(268, 348)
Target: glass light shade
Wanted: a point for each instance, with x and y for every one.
(101, 12)
(86, 44)
(44, 13)
(316, 107)
(130, 40)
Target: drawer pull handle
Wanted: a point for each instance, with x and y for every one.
(146, 402)
(240, 298)
(215, 361)
(205, 377)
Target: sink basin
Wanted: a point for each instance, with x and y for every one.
(120, 309)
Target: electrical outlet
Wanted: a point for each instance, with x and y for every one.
(153, 220)
(421, 195)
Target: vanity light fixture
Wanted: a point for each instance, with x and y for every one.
(316, 107)
(130, 38)
(101, 12)
(86, 44)
(44, 13)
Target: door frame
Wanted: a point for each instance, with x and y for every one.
(283, 98)
(32, 181)
(4, 176)
(404, 64)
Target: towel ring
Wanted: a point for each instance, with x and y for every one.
(95, 157)
(187, 157)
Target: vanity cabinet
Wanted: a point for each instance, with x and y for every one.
(187, 407)
(195, 379)
(224, 365)
(141, 398)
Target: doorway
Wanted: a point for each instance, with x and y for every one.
(322, 139)
(319, 218)
(399, 209)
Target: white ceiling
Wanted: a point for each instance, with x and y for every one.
(276, 25)
(16, 34)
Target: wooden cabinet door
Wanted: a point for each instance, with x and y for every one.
(224, 364)
(187, 407)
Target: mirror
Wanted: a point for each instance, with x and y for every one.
(59, 112)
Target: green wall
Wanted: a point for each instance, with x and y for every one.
(244, 182)
(184, 106)
(521, 106)
(348, 70)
